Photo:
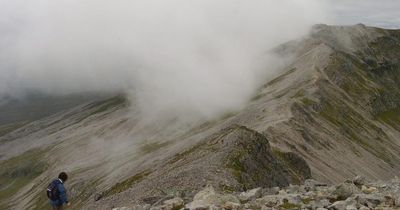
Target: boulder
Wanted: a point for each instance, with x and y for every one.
(292, 189)
(231, 206)
(277, 200)
(342, 205)
(397, 200)
(122, 208)
(345, 190)
(338, 205)
(368, 190)
(390, 201)
(250, 195)
(199, 205)
(282, 192)
(173, 204)
(208, 197)
(351, 207)
(323, 203)
(359, 181)
(370, 200)
(139, 207)
(270, 191)
(146, 207)
(311, 184)
(267, 208)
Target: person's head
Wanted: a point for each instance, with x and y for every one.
(63, 176)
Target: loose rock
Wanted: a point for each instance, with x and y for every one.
(250, 195)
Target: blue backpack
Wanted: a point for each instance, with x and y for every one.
(52, 190)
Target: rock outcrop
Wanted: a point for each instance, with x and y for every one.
(233, 159)
(294, 197)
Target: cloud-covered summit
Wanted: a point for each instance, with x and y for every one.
(201, 56)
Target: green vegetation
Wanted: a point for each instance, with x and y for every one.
(107, 104)
(355, 127)
(152, 147)
(227, 188)
(103, 106)
(17, 172)
(126, 184)
(306, 200)
(307, 101)
(4, 129)
(40, 202)
(390, 117)
(290, 206)
(180, 156)
(235, 163)
(294, 165)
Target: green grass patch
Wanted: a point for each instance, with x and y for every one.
(126, 184)
(306, 200)
(17, 172)
(152, 147)
(103, 106)
(390, 117)
(290, 206)
(109, 103)
(4, 129)
(307, 101)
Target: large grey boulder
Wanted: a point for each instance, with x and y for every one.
(343, 205)
(370, 200)
(311, 184)
(345, 190)
(250, 195)
(173, 204)
(208, 198)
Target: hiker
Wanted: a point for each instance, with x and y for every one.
(56, 192)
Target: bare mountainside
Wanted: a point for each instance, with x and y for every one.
(332, 113)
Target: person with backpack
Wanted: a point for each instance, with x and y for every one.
(56, 192)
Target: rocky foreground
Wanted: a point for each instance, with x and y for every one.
(356, 194)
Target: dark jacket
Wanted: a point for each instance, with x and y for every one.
(63, 195)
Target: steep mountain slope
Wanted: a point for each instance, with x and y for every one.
(331, 114)
(16, 112)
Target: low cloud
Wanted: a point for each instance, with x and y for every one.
(174, 56)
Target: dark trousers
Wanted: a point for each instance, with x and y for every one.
(58, 207)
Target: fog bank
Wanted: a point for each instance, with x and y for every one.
(176, 56)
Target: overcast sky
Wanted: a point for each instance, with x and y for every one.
(381, 13)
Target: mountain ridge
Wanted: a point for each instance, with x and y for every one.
(335, 106)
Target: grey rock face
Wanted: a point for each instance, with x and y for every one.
(250, 195)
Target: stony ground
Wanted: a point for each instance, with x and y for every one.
(335, 104)
(355, 194)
